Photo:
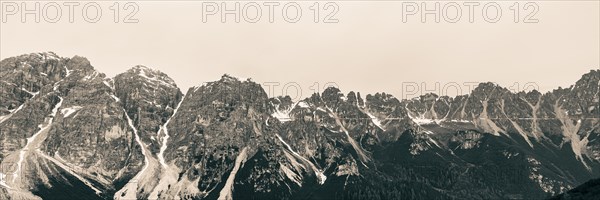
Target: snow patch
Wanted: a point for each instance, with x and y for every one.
(66, 112)
(460, 121)
(343, 98)
(107, 84)
(321, 176)
(303, 104)
(144, 71)
(67, 71)
(115, 97)
(283, 115)
(91, 76)
(31, 93)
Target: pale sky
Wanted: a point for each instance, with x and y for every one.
(369, 50)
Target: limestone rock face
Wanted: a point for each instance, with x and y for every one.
(69, 127)
(68, 131)
(24, 104)
(149, 97)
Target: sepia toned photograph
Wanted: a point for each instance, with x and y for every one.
(299, 100)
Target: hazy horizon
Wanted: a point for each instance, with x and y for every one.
(185, 89)
(370, 50)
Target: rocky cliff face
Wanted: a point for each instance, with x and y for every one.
(66, 127)
(69, 128)
(149, 97)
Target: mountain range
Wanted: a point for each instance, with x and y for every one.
(69, 132)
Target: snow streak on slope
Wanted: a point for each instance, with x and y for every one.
(227, 191)
(169, 174)
(570, 131)
(535, 130)
(164, 129)
(486, 123)
(361, 154)
(130, 189)
(303, 104)
(67, 71)
(516, 126)
(320, 176)
(70, 171)
(374, 120)
(138, 140)
(289, 173)
(5, 117)
(115, 97)
(12, 112)
(32, 140)
(31, 93)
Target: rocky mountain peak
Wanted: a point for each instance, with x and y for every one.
(23, 77)
(332, 92)
(44, 56)
(589, 81)
(80, 63)
(228, 78)
(488, 90)
(591, 75)
(152, 76)
(352, 98)
(429, 97)
(230, 89)
(332, 97)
